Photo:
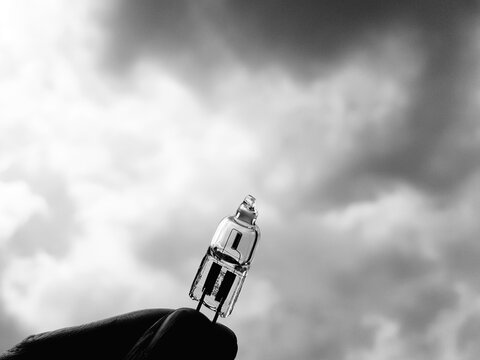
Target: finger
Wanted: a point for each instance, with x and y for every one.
(111, 338)
(186, 333)
(224, 342)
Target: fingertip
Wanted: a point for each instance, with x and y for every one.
(220, 338)
(189, 314)
(226, 342)
(188, 333)
(217, 340)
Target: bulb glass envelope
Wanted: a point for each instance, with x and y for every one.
(224, 267)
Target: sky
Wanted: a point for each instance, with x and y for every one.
(129, 129)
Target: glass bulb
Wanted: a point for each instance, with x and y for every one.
(224, 267)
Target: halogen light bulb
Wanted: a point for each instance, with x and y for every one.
(224, 267)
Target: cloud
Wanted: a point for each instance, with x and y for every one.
(47, 230)
(353, 124)
(106, 179)
(18, 204)
(467, 337)
(97, 279)
(10, 333)
(272, 32)
(424, 148)
(370, 280)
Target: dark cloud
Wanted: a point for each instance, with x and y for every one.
(292, 34)
(327, 287)
(403, 286)
(177, 33)
(324, 313)
(428, 149)
(327, 290)
(461, 256)
(431, 149)
(467, 337)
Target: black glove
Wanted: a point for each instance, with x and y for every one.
(145, 334)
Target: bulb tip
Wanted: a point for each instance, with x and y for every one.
(250, 201)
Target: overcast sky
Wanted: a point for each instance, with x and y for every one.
(129, 129)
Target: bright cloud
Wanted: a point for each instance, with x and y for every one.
(17, 204)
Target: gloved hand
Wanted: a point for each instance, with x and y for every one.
(145, 334)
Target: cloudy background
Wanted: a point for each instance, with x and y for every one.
(128, 129)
